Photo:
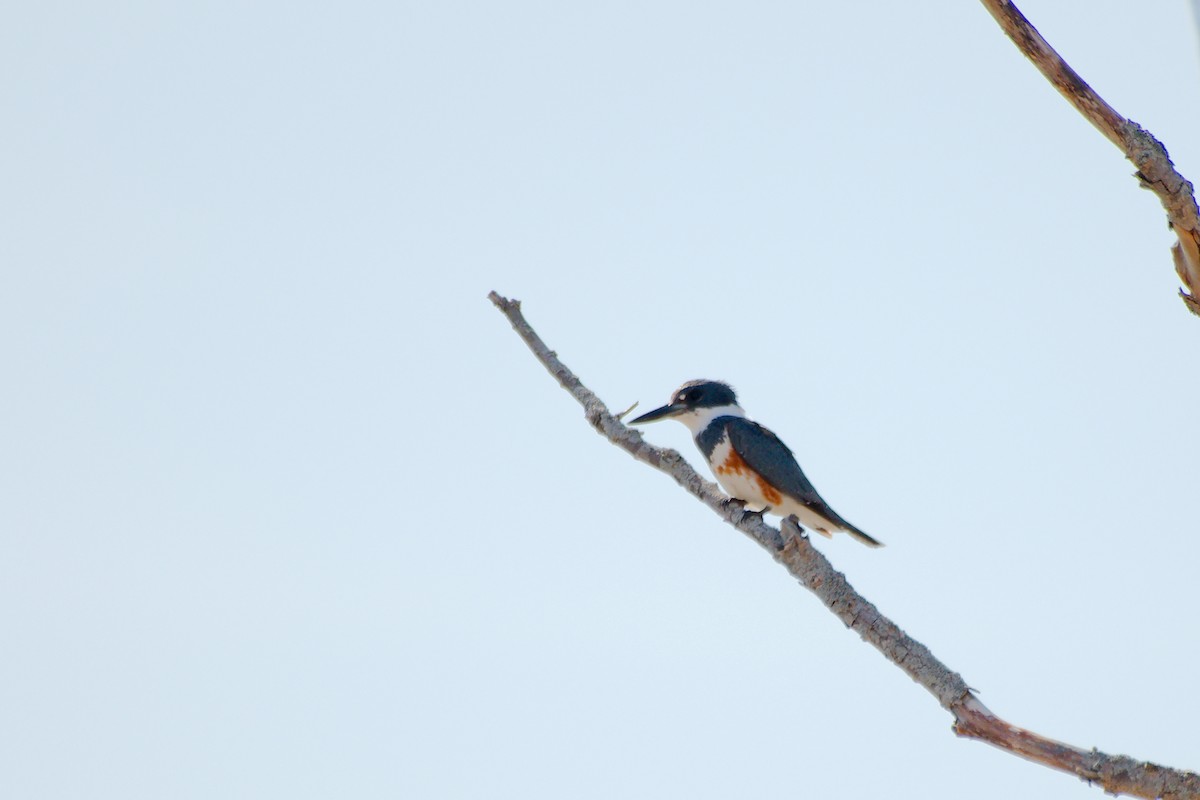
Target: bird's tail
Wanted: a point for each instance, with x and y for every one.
(869, 541)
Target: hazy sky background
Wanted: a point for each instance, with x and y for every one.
(287, 510)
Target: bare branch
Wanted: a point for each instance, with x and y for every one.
(791, 548)
(1155, 169)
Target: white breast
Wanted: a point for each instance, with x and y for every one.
(736, 478)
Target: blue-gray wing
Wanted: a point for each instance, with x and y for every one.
(771, 458)
(765, 454)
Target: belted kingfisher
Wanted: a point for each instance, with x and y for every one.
(749, 461)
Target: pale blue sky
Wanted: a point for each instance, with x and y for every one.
(286, 510)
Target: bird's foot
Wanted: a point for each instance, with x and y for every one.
(740, 504)
(733, 502)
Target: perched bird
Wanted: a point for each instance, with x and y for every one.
(750, 462)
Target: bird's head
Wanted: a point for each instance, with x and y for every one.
(695, 404)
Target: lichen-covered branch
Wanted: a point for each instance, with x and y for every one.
(1155, 169)
(788, 546)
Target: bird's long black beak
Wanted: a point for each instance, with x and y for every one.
(660, 413)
